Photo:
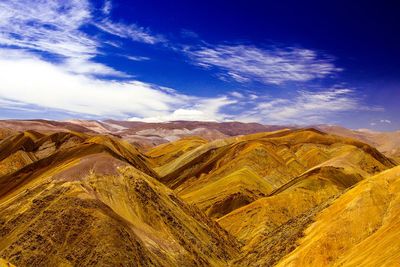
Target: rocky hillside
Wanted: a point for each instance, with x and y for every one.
(289, 197)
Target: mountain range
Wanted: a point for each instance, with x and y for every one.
(121, 193)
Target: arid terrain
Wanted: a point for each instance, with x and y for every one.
(120, 193)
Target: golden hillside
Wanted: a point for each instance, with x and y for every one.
(93, 202)
(224, 175)
(290, 197)
(360, 228)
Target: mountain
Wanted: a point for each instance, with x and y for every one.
(141, 134)
(42, 125)
(89, 200)
(82, 193)
(148, 135)
(249, 167)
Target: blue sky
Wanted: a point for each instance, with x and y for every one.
(292, 62)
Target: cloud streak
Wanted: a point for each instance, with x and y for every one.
(47, 26)
(131, 31)
(56, 28)
(107, 6)
(247, 63)
(305, 107)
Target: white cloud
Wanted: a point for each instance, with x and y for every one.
(25, 82)
(132, 31)
(137, 58)
(245, 63)
(55, 28)
(305, 107)
(385, 121)
(253, 96)
(85, 66)
(237, 94)
(107, 6)
(208, 109)
(45, 25)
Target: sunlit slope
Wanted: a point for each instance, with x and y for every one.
(359, 229)
(229, 193)
(19, 150)
(88, 205)
(203, 159)
(4, 263)
(264, 215)
(165, 153)
(16, 161)
(270, 226)
(212, 177)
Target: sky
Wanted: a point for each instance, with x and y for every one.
(272, 62)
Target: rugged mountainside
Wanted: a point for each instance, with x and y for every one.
(289, 197)
(92, 200)
(360, 228)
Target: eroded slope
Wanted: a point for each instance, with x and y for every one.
(92, 203)
(359, 229)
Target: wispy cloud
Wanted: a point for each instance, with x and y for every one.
(137, 58)
(129, 31)
(380, 122)
(185, 33)
(47, 26)
(56, 28)
(107, 6)
(305, 107)
(245, 63)
(88, 67)
(237, 94)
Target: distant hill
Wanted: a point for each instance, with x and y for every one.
(386, 142)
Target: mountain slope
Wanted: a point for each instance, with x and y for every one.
(162, 154)
(93, 204)
(359, 229)
(229, 193)
(289, 197)
(212, 175)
